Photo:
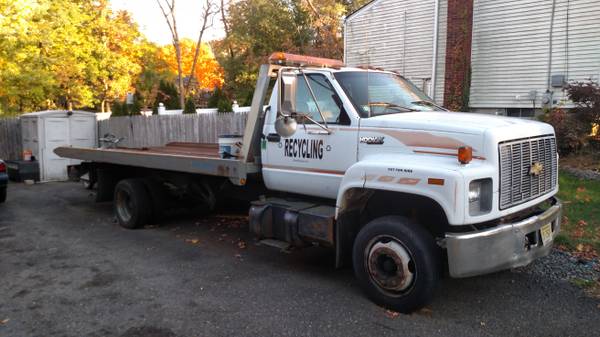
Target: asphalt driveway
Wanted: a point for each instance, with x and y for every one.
(66, 269)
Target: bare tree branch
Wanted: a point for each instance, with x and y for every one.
(172, 23)
(207, 14)
(312, 7)
(226, 28)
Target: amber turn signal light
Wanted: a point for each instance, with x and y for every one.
(465, 154)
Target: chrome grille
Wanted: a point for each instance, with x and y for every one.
(517, 184)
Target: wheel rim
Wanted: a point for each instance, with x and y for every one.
(124, 206)
(390, 265)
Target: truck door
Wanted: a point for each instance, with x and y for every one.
(312, 161)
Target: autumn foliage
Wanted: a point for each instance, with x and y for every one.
(208, 73)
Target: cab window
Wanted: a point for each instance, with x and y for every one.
(324, 94)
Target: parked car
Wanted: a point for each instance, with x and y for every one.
(3, 181)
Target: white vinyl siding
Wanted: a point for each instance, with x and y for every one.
(510, 53)
(377, 36)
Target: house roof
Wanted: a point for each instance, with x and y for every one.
(362, 8)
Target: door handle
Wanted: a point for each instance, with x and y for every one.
(273, 138)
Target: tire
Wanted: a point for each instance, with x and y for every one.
(2, 195)
(381, 251)
(132, 204)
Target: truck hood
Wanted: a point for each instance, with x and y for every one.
(447, 131)
(453, 122)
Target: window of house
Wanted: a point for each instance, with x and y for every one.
(520, 112)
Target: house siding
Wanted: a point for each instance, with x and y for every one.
(375, 36)
(510, 54)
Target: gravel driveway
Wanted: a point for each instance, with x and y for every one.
(66, 269)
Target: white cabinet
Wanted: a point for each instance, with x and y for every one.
(44, 131)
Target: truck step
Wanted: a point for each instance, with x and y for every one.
(281, 245)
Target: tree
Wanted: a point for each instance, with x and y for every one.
(155, 70)
(66, 54)
(207, 15)
(207, 74)
(117, 53)
(168, 9)
(171, 20)
(256, 28)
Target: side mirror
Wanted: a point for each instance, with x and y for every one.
(287, 93)
(286, 126)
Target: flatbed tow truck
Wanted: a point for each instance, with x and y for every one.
(361, 161)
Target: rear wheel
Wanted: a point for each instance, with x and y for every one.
(132, 203)
(2, 194)
(397, 263)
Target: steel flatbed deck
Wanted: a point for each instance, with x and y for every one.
(195, 158)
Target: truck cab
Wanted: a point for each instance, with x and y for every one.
(412, 184)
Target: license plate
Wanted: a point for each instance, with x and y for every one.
(546, 232)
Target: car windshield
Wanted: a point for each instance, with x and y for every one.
(378, 93)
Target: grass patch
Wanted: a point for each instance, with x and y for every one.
(580, 227)
(585, 284)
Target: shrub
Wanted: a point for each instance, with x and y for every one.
(586, 97)
(573, 128)
(224, 105)
(190, 106)
(220, 101)
(168, 95)
(571, 132)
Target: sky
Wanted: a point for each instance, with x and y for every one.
(152, 22)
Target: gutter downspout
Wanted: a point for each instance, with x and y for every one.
(551, 46)
(436, 22)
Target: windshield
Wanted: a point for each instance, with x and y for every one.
(376, 93)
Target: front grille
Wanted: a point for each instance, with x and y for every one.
(517, 183)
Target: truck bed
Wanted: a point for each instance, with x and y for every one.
(196, 158)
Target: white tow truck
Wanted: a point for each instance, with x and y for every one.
(361, 161)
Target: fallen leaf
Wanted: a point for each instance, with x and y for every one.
(4, 321)
(192, 241)
(241, 244)
(392, 314)
(482, 323)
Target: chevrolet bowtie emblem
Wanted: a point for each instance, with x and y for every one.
(536, 169)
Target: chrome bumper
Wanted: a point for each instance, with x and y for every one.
(502, 247)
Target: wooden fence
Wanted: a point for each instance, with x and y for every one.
(10, 139)
(141, 131)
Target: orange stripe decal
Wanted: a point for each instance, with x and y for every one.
(445, 154)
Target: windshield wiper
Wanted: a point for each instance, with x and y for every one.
(429, 103)
(392, 106)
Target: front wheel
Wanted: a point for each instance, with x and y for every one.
(397, 263)
(2, 194)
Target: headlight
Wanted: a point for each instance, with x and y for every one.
(480, 196)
